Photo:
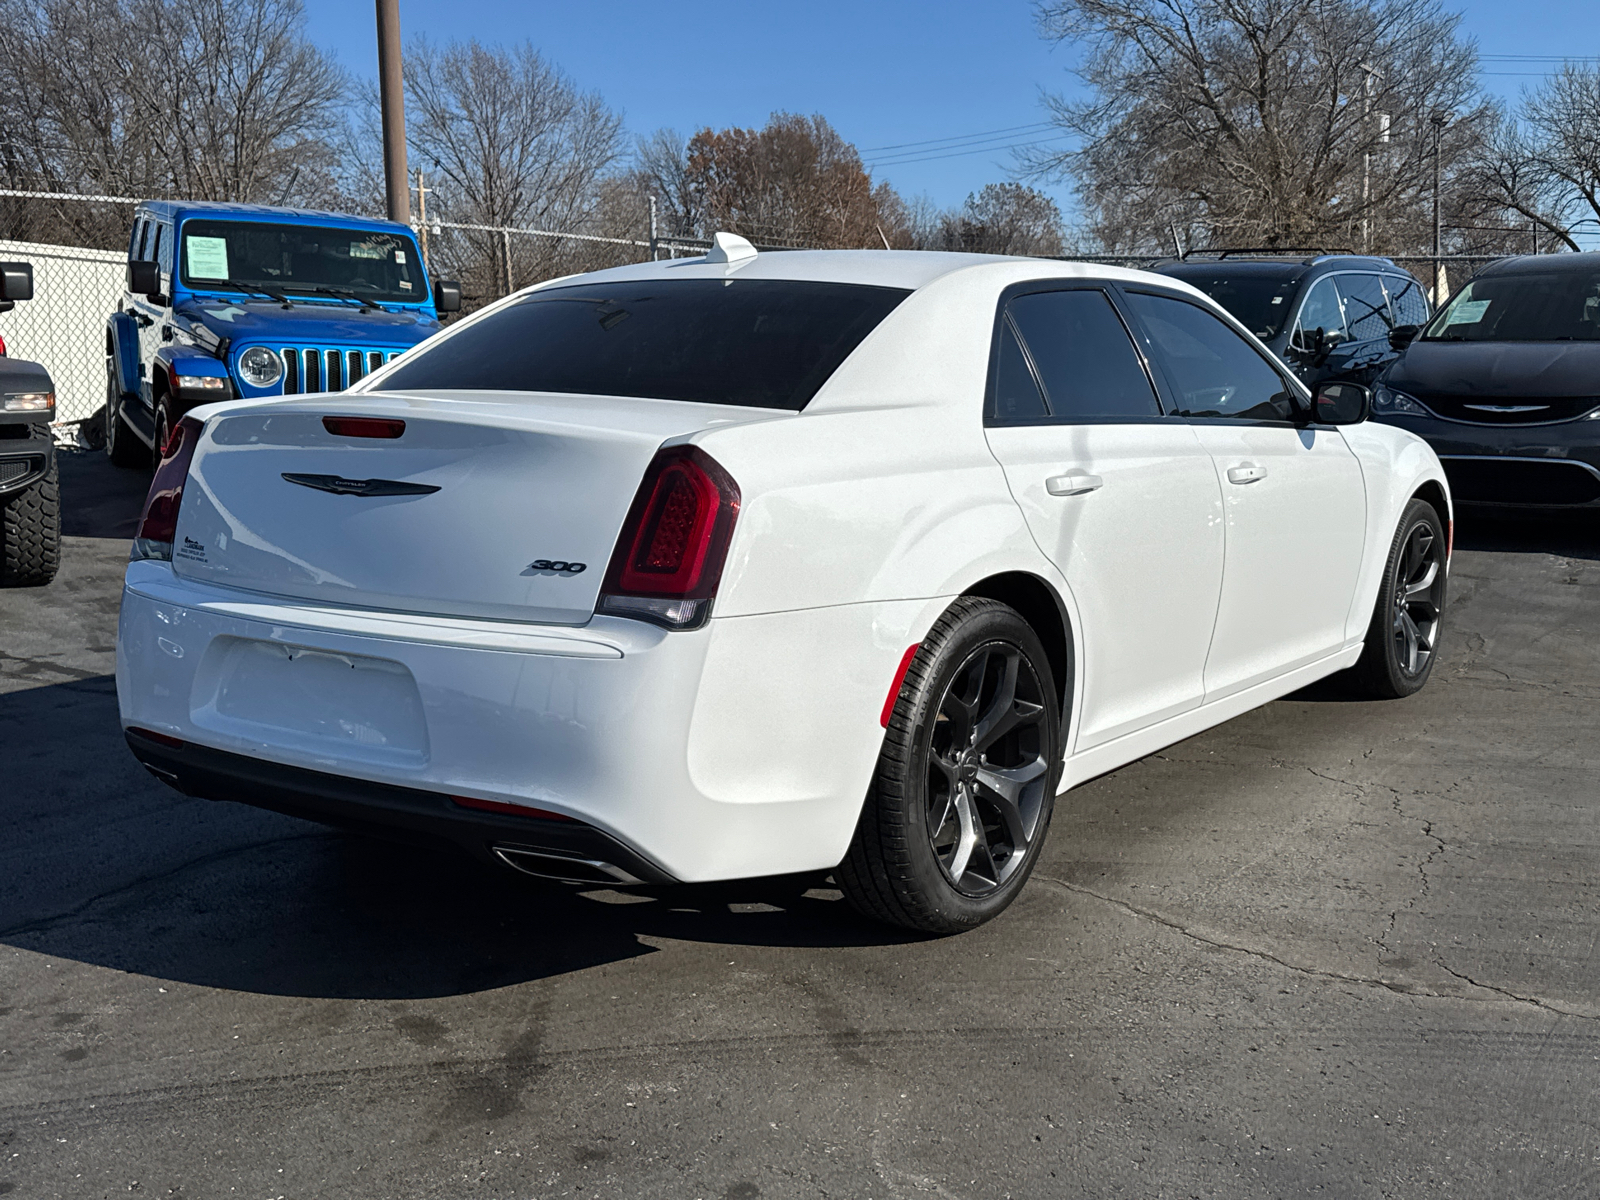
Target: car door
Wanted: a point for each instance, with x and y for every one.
(1124, 501)
(1294, 497)
(1366, 315)
(1319, 345)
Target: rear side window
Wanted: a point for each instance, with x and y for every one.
(1366, 308)
(1321, 310)
(1086, 362)
(1215, 372)
(1016, 392)
(765, 343)
(1406, 301)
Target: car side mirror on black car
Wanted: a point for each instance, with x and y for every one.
(1341, 404)
(144, 278)
(1402, 336)
(447, 295)
(16, 281)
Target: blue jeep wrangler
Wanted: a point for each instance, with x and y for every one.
(240, 301)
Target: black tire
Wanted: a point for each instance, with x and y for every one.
(1403, 638)
(30, 533)
(123, 446)
(902, 870)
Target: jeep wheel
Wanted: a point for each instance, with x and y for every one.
(30, 533)
(123, 446)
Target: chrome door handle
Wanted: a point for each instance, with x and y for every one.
(1073, 483)
(1246, 473)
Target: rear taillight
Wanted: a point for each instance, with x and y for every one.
(159, 526)
(669, 556)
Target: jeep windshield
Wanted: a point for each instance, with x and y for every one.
(769, 343)
(1554, 306)
(305, 261)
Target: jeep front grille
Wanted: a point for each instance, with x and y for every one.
(310, 369)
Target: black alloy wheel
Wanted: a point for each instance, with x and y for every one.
(965, 784)
(1403, 639)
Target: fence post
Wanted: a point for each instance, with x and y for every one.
(653, 254)
(505, 246)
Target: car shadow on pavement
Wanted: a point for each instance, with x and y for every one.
(99, 499)
(1569, 534)
(102, 864)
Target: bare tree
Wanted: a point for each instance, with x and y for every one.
(1543, 163)
(1002, 218)
(209, 99)
(1262, 122)
(795, 181)
(509, 141)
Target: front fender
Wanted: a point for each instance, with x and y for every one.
(185, 362)
(122, 335)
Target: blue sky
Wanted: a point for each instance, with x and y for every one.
(894, 77)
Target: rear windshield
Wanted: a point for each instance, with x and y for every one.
(1258, 302)
(766, 343)
(1563, 306)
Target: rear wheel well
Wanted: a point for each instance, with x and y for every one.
(1040, 608)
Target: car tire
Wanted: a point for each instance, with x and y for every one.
(1403, 638)
(957, 813)
(30, 533)
(123, 446)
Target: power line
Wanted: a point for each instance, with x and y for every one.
(961, 137)
(904, 161)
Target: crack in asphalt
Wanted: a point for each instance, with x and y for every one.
(1388, 985)
(41, 924)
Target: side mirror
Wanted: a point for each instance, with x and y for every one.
(16, 281)
(1402, 336)
(144, 277)
(447, 295)
(1341, 404)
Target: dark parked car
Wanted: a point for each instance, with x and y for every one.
(1504, 383)
(1328, 316)
(30, 510)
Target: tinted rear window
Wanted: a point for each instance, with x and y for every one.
(1260, 303)
(766, 343)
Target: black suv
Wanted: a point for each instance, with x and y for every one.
(30, 510)
(1329, 316)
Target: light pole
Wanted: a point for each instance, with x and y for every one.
(1438, 120)
(392, 96)
(1371, 77)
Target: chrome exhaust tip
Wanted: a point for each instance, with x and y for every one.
(564, 868)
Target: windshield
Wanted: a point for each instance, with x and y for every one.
(1258, 302)
(770, 343)
(298, 260)
(1562, 306)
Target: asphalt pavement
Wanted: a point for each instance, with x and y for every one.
(1333, 948)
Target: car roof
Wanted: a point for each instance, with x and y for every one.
(1541, 264)
(908, 269)
(177, 210)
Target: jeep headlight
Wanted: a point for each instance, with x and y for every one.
(1388, 400)
(260, 367)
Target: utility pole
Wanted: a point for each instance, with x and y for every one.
(391, 90)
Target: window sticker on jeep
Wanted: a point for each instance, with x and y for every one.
(399, 256)
(405, 285)
(366, 250)
(207, 257)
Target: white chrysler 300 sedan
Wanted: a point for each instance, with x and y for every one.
(763, 563)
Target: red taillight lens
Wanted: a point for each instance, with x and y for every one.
(669, 556)
(509, 810)
(159, 525)
(368, 427)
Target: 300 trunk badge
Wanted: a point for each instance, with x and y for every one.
(546, 566)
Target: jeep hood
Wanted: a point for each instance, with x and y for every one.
(268, 322)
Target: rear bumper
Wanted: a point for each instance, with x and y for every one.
(567, 849)
(741, 749)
